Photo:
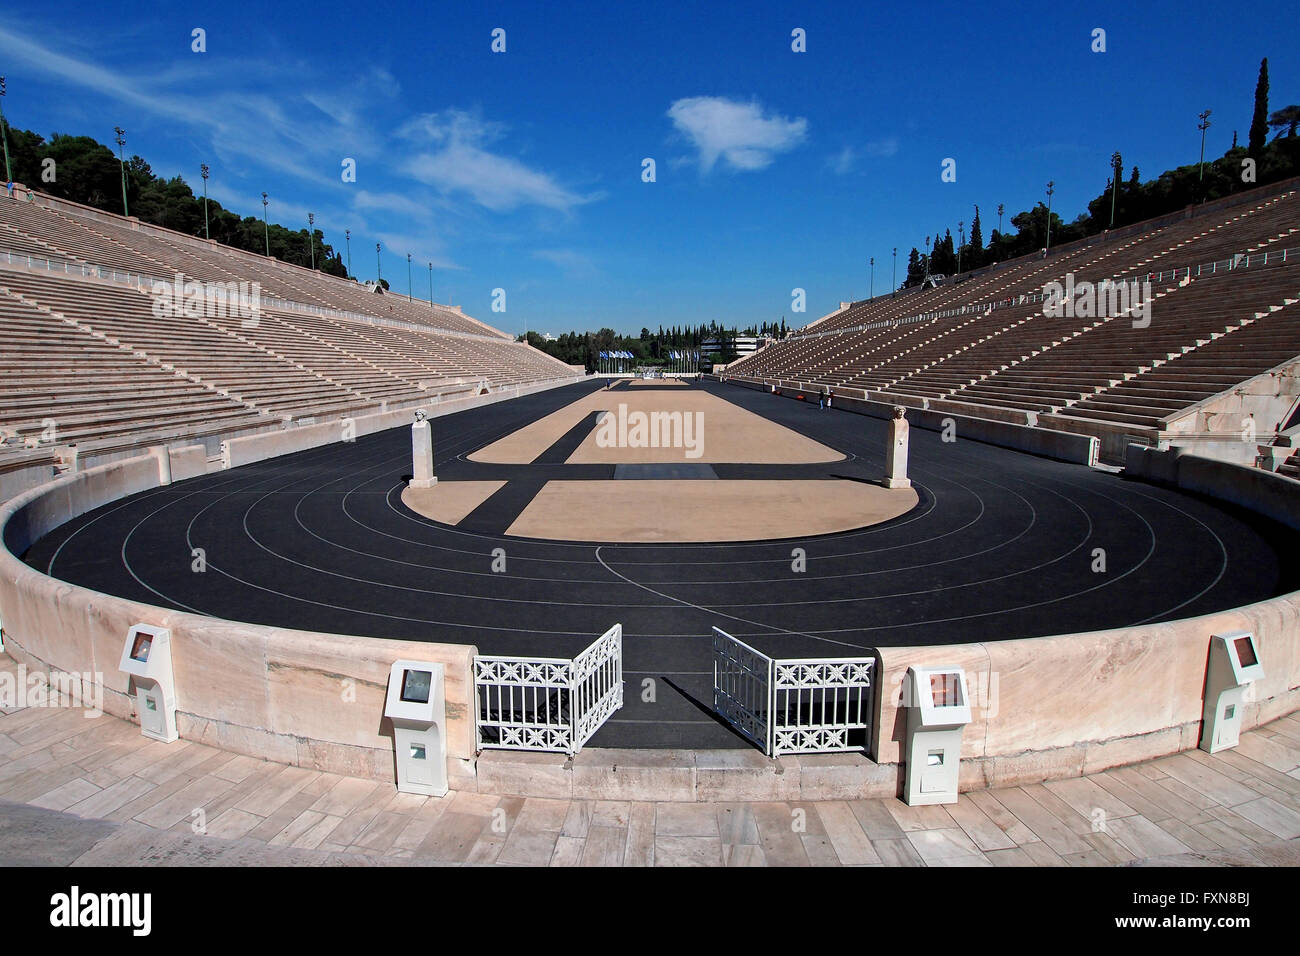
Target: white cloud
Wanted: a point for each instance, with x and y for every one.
(461, 163)
(576, 265)
(424, 249)
(741, 134)
(289, 137)
(842, 162)
(242, 122)
(425, 245)
(288, 213)
(387, 202)
(846, 160)
(882, 147)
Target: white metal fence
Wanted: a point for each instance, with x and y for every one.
(794, 705)
(742, 688)
(547, 703)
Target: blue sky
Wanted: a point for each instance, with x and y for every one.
(523, 170)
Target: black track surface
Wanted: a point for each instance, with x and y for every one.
(1000, 546)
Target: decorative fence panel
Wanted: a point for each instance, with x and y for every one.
(547, 703)
(821, 706)
(742, 688)
(794, 705)
(597, 685)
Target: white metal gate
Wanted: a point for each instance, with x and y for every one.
(547, 703)
(742, 688)
(814, 705)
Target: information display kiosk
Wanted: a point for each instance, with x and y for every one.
(938, 708)
(147, 657)
(417, 706)
(1233, 666)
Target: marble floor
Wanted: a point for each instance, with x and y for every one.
(93, 792)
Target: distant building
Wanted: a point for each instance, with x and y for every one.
(745, 345)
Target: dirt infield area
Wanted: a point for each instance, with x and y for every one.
(722, 432)
(657, 464)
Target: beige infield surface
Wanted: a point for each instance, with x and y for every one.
(725, 432)
(449, 501)
(680, 426)
(689, 510)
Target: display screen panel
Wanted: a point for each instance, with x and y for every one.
(1245, 652)
(945, 690)
(141, 647)
(416, 686)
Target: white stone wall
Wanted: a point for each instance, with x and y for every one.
(1043, 708)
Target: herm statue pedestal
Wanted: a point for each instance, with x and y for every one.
(896, 453)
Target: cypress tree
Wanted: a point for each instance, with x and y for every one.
(1259, 122)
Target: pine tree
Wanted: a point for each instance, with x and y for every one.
(1287, 118)
(976, 241)
(1259, 122)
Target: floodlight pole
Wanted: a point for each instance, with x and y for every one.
(871, 294)
(203, 171)
(265, 227)
(1203, 125)
(4, 132)
(961, 241)
(379, 272)
(120, 138)
(1115, 161)
(431, 285)
(408, 278)
(347, 238)
(311, 237)
(893, 280)
(1001, 208)
(1051, 188)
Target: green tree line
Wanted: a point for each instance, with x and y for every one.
(81, 169)
(650, 348)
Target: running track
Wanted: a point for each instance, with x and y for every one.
(1000, 546)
